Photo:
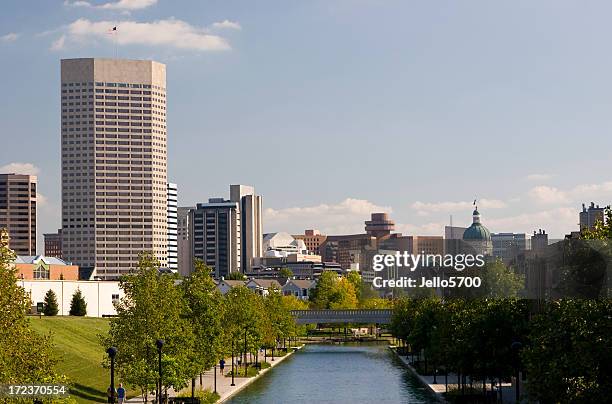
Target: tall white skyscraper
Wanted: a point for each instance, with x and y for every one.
(251, 226)
(114, 181)
(172, 227)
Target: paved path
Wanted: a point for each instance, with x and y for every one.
(508, 393)
(224, 387)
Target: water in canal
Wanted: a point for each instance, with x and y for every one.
(337, 374)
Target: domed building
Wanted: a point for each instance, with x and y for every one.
(478, 237)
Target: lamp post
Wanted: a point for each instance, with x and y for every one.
(233, 371)
(112, 352)
(516, 347)
(215, 378)
(160, 344)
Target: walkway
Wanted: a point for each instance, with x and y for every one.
(224, 387)
(357, 316)
(439, 388)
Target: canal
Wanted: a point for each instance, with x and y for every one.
(364, 373)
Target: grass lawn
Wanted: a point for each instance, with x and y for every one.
(76, 343)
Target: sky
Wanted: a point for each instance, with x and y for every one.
(334, 109)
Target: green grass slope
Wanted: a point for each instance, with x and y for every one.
(80, 354)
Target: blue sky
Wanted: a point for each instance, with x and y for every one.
(336, 108)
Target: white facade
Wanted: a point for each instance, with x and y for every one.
(172, 227)
(99, 295)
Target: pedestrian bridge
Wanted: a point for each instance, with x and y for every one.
(363, 316)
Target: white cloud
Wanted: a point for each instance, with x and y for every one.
(538, 177)
(41, 200)
(344, 217)
(226, 24)
(20, 168)
(171, 32)
(426, 229)
(117, 5)
(546, 195)
(10, 37)
(557, 221)
(425, 208)
(58, 44)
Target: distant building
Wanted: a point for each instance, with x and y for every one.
(282, 244)
(215, 233)
(380, 225)
(539, 241)
(114, 163)
(251, 224)
(428, 245)
(100, 296)
(313, 240)
(172, 227)
(300, 288)
(41, 267)
(453, 239)
(225, 285)
(18, 211)
(185, 255)
(591, 215)
(477, 237)
(506, 246)
(53, 244)
(263, 286)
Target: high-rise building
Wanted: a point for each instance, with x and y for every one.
(53, 244)
(18, 211)
(172, 227)
(251, 230)
(539, 241)
(114, 196)
(427, 245)
(506, 246)
(588, 217)
(215, 229)
(313, 240)
(184, 241)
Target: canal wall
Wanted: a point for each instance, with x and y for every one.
(436, 390)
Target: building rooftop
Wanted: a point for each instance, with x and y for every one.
(35, 259)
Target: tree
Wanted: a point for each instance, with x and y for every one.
(204, 312)
(26, 356)
(322, 293)
(236, 276)
(285, 273)
(78, 306)
(344, 295)
(152, 308)
(50, 307)
(568, 358)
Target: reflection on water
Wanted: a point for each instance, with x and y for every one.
(337, 374)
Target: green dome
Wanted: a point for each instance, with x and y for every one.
(477, 232)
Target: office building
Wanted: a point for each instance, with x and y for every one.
(184, 240)
(114, 166)
(313, 240)
(506, 246)
(172, 227)
(428, 245)
(215, 229)
(591, 215)
(251, 230)
(18, 211)
(539, 241)
(53, 244)
(41, 267)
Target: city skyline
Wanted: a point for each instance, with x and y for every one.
(445, 126)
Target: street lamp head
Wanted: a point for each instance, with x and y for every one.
(516, 346)
(112, 351)
(159, 343)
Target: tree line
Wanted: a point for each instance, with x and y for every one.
(199, 326)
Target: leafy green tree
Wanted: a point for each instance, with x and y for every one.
(205, 313)
(376, 303)
(26, 356)
(78, 306)
(568, 358)
(153, 307)
(285, 273)
(50, 307)
(236, 276)
(344, 295)
(332, 292)
(322, 294)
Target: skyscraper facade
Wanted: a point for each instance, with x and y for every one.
(114, 181)
(18, 211)
(53, 244)
(184, 240)
(251, 230)
(172, 227)
(215, 235)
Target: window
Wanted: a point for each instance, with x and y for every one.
(41, 272)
